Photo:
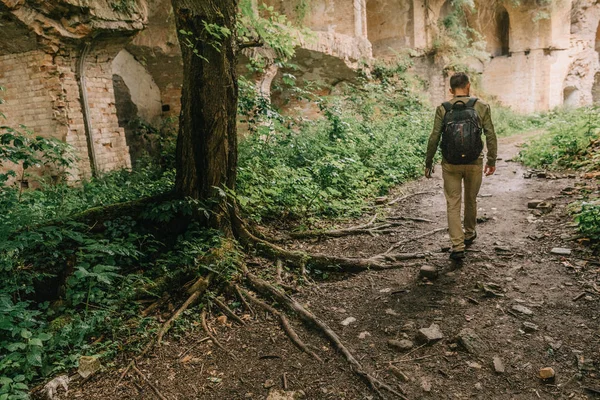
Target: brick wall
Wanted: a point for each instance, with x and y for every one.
(42, 93)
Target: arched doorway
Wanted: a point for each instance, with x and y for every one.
(390, 26)
(503, 32)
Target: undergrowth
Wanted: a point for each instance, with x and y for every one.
(572, 141)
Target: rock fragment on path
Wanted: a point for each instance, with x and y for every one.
(430, 335)
(529, 327)
(498, 365)
(547, 375)
(561, 251)
(428, 271)
(88, 365)
(401, 345)
(425, 385)
(534, 203)
(348, 321)
(471, 341)
(522, 309)
(364, 334)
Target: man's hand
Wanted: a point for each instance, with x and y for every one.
(489, 170)
(428, 172)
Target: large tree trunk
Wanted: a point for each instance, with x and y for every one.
(207, 141)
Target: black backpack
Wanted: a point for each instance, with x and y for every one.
(461, 134)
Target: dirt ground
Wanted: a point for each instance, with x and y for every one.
(509, 278)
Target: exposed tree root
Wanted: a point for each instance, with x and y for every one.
(154, 388)
(210, 334)
(408, 196)
(285, 325)
(406, 241)
(243, 299)
(196, 290)
(269, 290)
(415, 219)
(227, 311)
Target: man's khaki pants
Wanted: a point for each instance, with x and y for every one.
(454, 175)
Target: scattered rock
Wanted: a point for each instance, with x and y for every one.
(402, 345)
(363, 335)
(498, 365)
(51, 388)
(429, 272)
(522, 309)
(561, 251)
(88, 365)
(555, 345)
(547, 375)
(478, 386)
(390, 311)
(408, 326)
(425, 385)
(545, 207)
(398, 373)
(534, 203)
(542, 175)
(471, 341)
(269, 383)
(474, 365)
(348, 321)
(529, 327)
(430, 335)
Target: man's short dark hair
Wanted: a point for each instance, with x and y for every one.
(460, 80)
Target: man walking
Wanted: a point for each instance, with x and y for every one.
(459, 124)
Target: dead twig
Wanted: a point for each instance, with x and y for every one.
(268, 289)
(285, 325)
(406, 241)
(408, 196)
(158, 393)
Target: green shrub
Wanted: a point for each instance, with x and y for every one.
(565, 143)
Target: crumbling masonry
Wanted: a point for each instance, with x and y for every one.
(83, 70)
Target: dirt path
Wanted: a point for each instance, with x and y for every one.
(516, 300)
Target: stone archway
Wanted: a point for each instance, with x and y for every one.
(390, 26)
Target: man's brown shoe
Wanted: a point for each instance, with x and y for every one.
(457, 255)
(470, 240)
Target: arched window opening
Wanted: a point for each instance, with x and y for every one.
(503, 33)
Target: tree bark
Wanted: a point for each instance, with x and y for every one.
(207, 141)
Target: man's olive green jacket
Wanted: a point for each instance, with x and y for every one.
(485, 114)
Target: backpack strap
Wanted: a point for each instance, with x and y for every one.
(447, 106)
(471, 102)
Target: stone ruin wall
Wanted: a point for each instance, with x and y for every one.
(41, 46)
(134, 69)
